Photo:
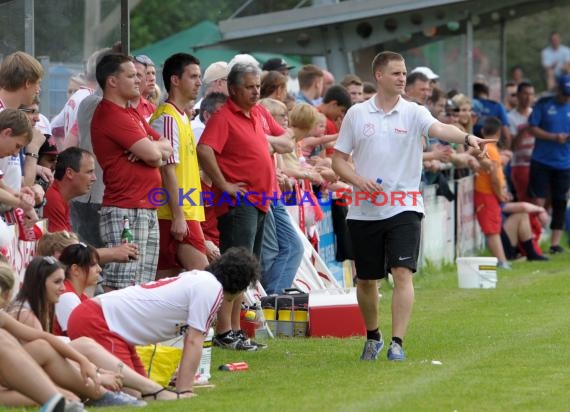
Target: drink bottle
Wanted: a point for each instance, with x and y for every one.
(126, 234)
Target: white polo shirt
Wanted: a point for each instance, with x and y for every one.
(387, 146)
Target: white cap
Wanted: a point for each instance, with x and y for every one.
(243, 59)
(427, 71)
(215, 71)
(44, 125)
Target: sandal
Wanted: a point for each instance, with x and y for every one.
(155, 394)
(158, 392)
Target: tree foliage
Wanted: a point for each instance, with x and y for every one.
(153, 20)
(527, 36)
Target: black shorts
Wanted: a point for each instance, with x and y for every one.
(380, 245)
(545, 180)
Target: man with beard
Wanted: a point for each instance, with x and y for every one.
(130, 153)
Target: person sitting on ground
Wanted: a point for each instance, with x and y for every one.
(23, 381)
(34, 306)
(53, 354)
(517, 230)
(157, 311)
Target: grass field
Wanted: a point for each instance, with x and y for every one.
(503, 349)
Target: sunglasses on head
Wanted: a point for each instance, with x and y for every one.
(50, 260)
(29, 110)
(143, 59)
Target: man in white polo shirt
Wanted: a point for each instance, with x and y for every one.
(383, 135)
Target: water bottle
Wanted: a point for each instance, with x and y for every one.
(379, 181)
(368, 206)
(126, 234)
(203, 373)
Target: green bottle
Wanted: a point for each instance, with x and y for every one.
(126, 235)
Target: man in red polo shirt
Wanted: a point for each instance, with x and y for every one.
(130, 153)
(74, 175)
(233, 151)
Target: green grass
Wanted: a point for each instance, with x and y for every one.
(501, 349)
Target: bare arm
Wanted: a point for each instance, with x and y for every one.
(544, 135)
(28, 334)
(191, 354)
(453, 134)
(522, 207)
(281, 144)
(301, 173)
(178, 226)
(507, 135)
(314, 141)
(343, 168)
(121, 253)
(31, 161)
(209, 163)
(151, 152)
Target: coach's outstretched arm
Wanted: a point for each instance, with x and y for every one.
(452, 134)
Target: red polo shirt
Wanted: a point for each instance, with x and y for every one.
(56, 210)
(242, 152)
(145, 108)
(331, 127)
(114, 129)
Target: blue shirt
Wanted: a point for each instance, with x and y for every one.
(490, 108)
(553, 117)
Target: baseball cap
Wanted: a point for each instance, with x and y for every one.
(44, 125)
(564, 84)
(427, 71)
(242, 59)
(277, 64)
(215, 71)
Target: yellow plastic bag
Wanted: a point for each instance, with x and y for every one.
(160, 361)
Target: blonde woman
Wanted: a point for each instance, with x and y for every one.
(466, 118)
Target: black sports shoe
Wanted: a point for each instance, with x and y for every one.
(556, 249)
(231, 341)
(242, 335)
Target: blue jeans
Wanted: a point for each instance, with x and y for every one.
(281, 251)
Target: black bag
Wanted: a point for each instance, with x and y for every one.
(292, 298)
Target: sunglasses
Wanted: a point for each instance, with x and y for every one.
(143, 59)
(28, 110)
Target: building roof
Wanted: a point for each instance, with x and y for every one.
(193, 40)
